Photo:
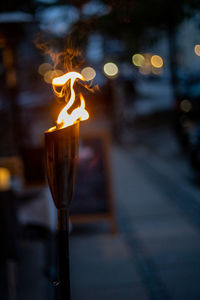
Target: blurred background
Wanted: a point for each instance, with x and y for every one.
(135, 216)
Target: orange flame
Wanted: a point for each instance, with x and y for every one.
(78, 114)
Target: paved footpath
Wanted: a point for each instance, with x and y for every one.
(155, 255)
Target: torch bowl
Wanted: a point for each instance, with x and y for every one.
(61, 149)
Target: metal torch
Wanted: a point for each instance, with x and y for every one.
(61, 149)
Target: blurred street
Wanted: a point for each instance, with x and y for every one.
(155, 255)
(127, 180)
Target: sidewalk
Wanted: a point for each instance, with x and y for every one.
(155, 255)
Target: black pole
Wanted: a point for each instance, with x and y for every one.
(63, 283)
(61, 161)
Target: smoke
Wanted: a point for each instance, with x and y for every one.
(68, 60)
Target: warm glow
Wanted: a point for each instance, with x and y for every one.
(185, 105)
(156, 61)
(197, 50)
(138, 60)
(156, 71)
(4, 179)
(88, 73)
(145, 70)
(43, 68)
(49, 75)
(78, 114)
(110, 69)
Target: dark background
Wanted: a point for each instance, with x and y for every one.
(148, 102)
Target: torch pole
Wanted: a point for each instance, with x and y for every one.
(61, 149)
(63, 283)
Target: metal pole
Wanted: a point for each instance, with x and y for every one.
(63, 284)
(61, 161)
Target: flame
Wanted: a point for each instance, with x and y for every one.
(78, 114)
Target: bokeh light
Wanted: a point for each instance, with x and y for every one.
(43, 68)
(110, 69)
(197, 50)
(185, 105)
(5, 178)
(138, 60)
(157, 71)
(49, 75)
(147, 60)
(145, 70)
(88, 73)
(156, 61)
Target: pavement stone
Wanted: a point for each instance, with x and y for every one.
(136, 292)
(103, 275)
(32, 282)
(166, 240)
(162, 228)
(103, 260)
(135, 194)
(99, 247)
(182, 281)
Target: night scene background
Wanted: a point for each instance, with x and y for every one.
(135, 214)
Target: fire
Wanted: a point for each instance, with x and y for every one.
(78, 114)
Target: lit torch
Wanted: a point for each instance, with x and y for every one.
(61, 148)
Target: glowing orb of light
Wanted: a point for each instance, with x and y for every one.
(43, 68)
(138, 60)
(156, 61)
(49, 75)
(197, 50)
(5, 179)
(185, 105)
(88, 73)
(110, 69)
